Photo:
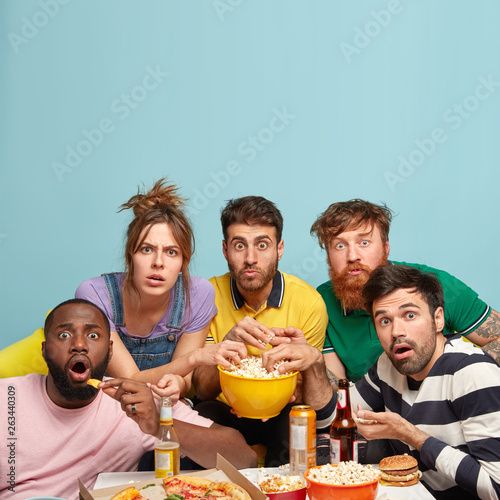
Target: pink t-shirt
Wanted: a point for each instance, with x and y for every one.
(46, 448)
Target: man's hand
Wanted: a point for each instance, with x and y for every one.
(251, 332)
(389, 425)
(136, 400)
(298, 357)
(221, 353)
(288, 335)
(169, 385)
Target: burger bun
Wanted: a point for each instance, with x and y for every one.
(399, 470)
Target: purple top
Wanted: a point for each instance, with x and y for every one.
(202, 302)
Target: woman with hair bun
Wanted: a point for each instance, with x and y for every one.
(159, 314)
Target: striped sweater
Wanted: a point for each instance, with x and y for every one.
(458, 404)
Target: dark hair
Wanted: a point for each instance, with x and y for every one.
(160, 204)
(340, 216)
(251, 210)
(386, 279)
(50, 317)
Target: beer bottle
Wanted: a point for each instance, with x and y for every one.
(343, 431)
(167, 458)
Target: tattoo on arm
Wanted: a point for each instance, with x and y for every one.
(490, 329)
(334, 381)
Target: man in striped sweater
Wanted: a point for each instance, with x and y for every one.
(434, 397)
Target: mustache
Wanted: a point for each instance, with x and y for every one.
(409, 342)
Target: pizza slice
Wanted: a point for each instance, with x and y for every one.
(191, 487)
(225, 490)
(188, 486)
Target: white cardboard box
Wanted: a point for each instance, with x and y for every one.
(224, 472)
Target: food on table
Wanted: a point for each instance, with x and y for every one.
(251, 367)
(131, 493)
(345, 473)
(185, 488)
(198, 487)
(94, 382)
(276, 483)
(399, 470)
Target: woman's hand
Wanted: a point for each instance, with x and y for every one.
(169, 385)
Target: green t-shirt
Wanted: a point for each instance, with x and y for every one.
(353, 336)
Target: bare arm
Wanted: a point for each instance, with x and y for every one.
(335, 365)
(206, 382)
(192, 353)
(202, 444)
(487, 335)
(316, 387)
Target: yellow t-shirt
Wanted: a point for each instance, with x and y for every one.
(292, 302)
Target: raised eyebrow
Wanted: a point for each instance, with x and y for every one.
(379, 312)
(365, 236)
(238, 239)
(408, 305)
(62, 326)
(263, 237)
(93, 325)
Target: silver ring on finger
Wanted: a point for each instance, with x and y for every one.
(133, 408)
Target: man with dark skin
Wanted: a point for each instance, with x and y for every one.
(76, 431)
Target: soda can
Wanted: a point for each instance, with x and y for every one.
(302, 439)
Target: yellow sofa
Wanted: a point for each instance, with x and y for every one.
(23, 357)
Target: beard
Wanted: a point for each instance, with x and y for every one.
(348, 289)
(253, 284)
(422, 353)
(64, 385)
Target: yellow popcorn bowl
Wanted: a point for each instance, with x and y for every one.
(257, 397)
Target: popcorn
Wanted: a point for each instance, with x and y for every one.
(251, 367)
(276, 483)
(345, 473)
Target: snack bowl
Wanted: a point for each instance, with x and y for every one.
(299, 494)
(279, 481)
(257, 397)
(323, 491)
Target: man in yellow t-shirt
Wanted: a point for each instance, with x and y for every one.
(260, 307)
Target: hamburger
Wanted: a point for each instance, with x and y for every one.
(399, 470)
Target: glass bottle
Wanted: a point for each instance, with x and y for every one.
(167, 458)
(343, 431)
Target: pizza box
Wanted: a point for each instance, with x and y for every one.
(223, 472)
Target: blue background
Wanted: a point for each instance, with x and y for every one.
(360, 84)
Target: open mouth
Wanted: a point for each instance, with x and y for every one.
(79, 371)
(79, 368)
(401, 352)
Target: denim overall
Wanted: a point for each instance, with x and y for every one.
(147, 352)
